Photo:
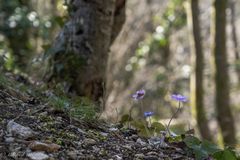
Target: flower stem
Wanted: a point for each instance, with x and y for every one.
(179, 106)
(130, 117)
(141, 108)
(150, 123)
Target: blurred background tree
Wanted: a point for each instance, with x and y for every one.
(223, 110)
(197, 62)
(25, 26)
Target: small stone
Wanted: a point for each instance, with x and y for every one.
(89, 142)
(129, 147)
(152, 153)
(117, 157)
(104, 134)
(19, 131)
(37, 156)
(113, 129)
(72, 154)
(139, 156)
(59, 119)
(39, 146)
(159, 141)
(14, 155)
(43, 114)
(81, 131)
(141, 142)
(151, 157)
(9, 139)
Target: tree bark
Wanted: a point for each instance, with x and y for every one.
(234, 36)
(197, 59)
(223, 111)
(80, 53)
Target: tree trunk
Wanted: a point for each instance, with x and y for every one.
(223, 111)
(197, 58)
(80, 53)
(234, 36)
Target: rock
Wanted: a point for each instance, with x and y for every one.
(59, 119)
(152, 153)
(89, 142)
(37, 156)
(141, 142)
(117, 157)
(139, 156)
(72, 154)
(13, 155)
(19, 131)
(127, 146)
(104, 134)
(81, 131)
(151, 157)
(39, 146)
(9, 139)
(157, 141)
(113, 129)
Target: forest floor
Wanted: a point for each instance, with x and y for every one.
(31, 129)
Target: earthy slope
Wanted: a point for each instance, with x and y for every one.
(32, 129)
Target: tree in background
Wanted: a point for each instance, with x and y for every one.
(15, 27)
(232, 4)
(25, 26)
(80, 52)
(223, 111)
(196, 80)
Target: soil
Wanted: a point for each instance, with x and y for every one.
(77, 139)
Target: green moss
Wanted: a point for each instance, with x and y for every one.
(83, 108)
(60, 103)
(78, 107)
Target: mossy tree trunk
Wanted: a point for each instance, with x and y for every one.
(223, 111)
(197, 61)
(80, 52)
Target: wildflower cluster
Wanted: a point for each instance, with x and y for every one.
(139, 95)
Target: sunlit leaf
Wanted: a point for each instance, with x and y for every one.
(157, 127)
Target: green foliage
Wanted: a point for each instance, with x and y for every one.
(83, 108)
(157, 127)
(200, 149)
(125, 119)
(204, 149)
(141, 125)
(60, 103)
(80, 108)
(226, 154)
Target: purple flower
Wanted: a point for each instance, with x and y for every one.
(148, 114)
(179, 97)
(139, 94)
